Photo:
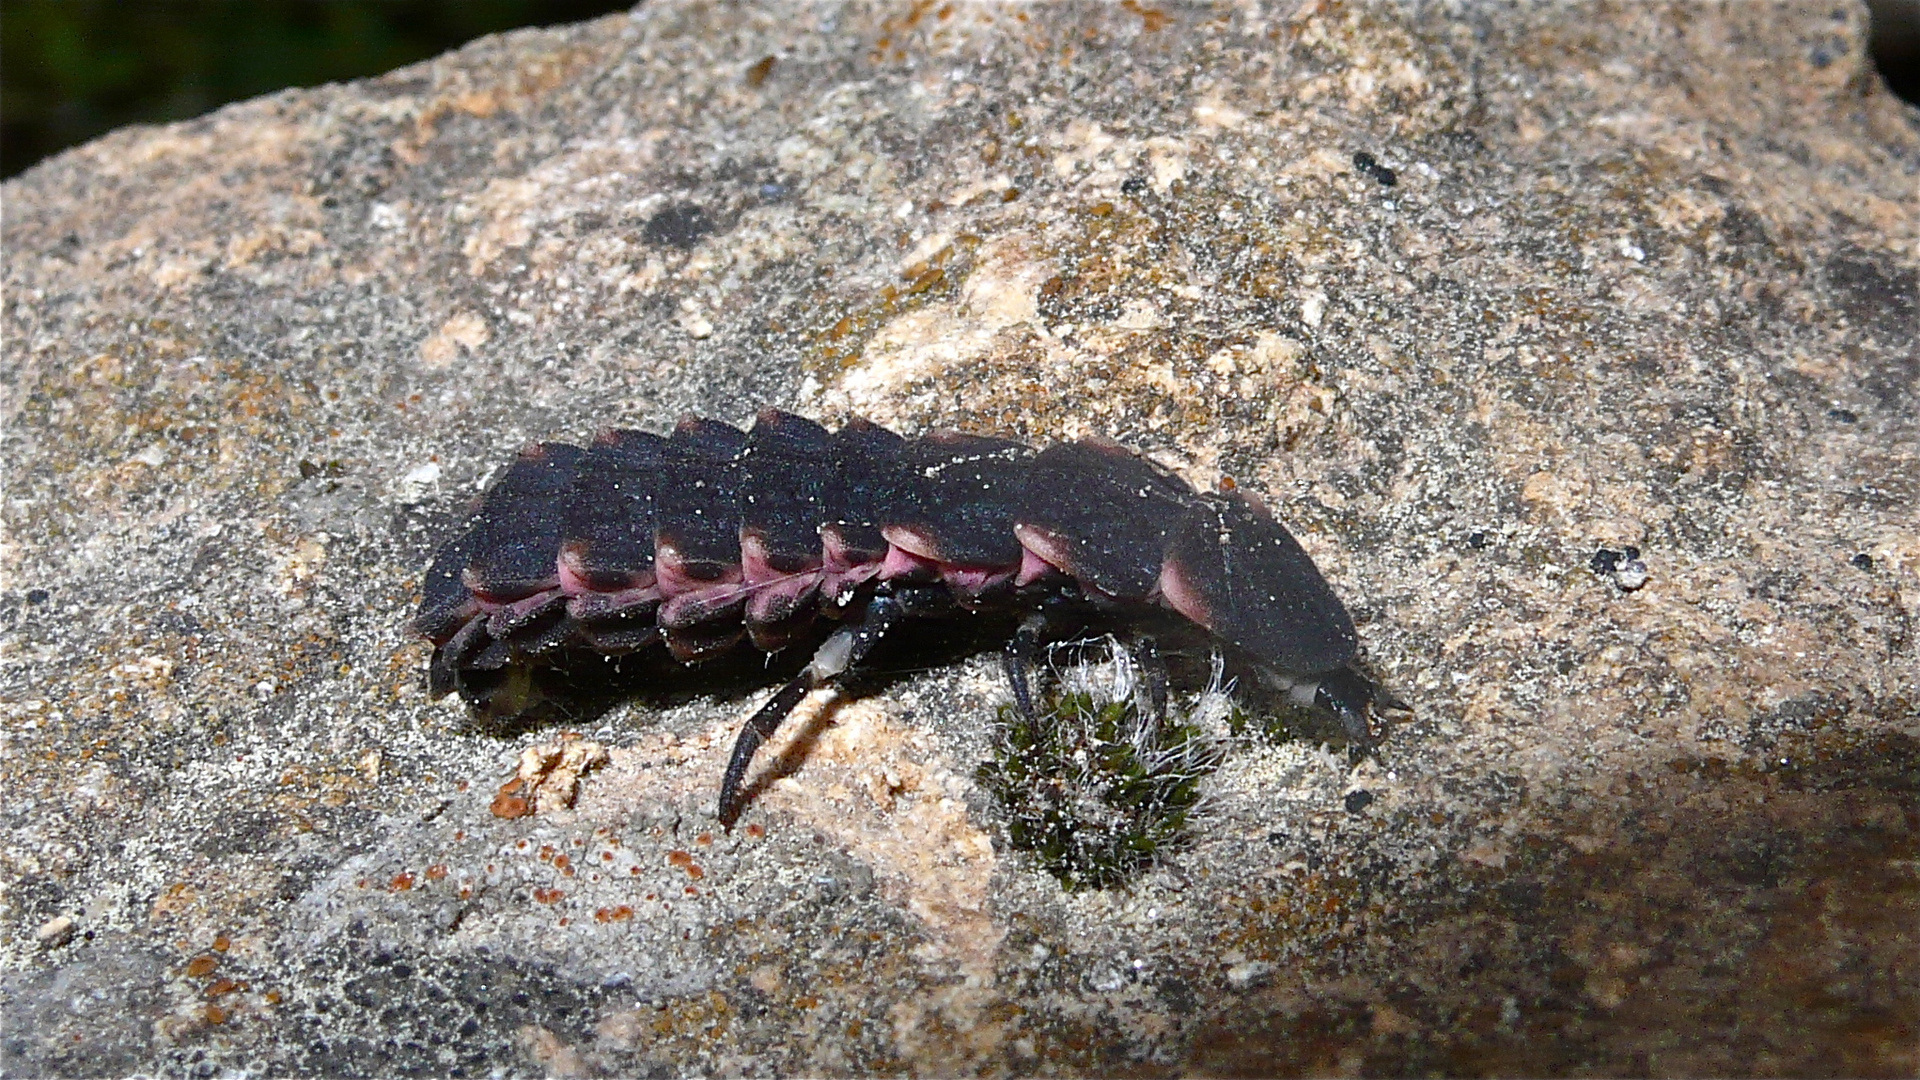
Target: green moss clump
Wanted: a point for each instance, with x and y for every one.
(1096, 789)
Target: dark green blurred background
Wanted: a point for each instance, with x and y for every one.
(74, 69)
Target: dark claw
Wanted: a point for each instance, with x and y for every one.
(836, 656)
(758, 729)
(1361, 708)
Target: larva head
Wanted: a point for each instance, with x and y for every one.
(1238, 573)
(1361, 706)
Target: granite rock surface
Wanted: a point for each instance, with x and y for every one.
(1477, 300)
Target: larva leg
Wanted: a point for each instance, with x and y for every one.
(1023, 651)
(839, 653)
(1018, 658)
(1153, 671)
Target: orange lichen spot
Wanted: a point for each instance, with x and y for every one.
(360, 883)
(402, 881)
(201, 966)
(220, 987)
(756, 830)
(508, 805)
(757, 73)
(622, 913)
(546, 852)
(566, 871)
(921, 283)
(606, 856)
(459, 834)
(547, 896)
(682, 859)
(602, 914)
(565, 921)
(652, 896)
(272, 997)
(705, 839)
(560, 861)
(1151, 19)
(633, 871)
(466, 891)
(214, 1014)
(691, 891)
(222, 943)
(806, 1001)
(437, 871)
(695, 872)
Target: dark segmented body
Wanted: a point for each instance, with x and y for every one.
(695, 539)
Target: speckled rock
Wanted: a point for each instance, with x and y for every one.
(1478, 300)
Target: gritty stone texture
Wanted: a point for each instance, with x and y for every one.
(1609, 276)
